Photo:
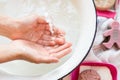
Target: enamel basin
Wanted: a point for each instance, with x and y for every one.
(76, 17)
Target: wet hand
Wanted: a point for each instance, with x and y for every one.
(35, 28)
(35, 53)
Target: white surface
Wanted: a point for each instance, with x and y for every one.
(78, 21)
(111, 56)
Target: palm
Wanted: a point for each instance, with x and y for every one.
(41, 54)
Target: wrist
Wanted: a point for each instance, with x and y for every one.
(8, 26)
(15, 31)
(8, 53)
(15, 50)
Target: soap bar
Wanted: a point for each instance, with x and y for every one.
(104, 4)
(114, 34)
(97, 73)
(89, 74)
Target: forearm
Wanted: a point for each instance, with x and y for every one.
(8, 53)
(7, 26)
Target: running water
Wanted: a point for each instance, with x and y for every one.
(49, 20)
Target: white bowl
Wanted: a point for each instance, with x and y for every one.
(79, 23)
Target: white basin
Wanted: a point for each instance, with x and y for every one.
(76, 17)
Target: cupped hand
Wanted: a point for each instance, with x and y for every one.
(35, 28)
(35, 53)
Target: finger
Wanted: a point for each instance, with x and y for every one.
(52, 43)
(47, 59)
(60, 40)
(45, 27)
(58, 31)
(48, 37)
(47, 32)
(60, 36)
(46, 43)
(48, 28)
(62, 53)
(42, 26)
(48, 48)
(60, 48)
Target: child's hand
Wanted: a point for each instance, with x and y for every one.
(35, 28)
(35, 53)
